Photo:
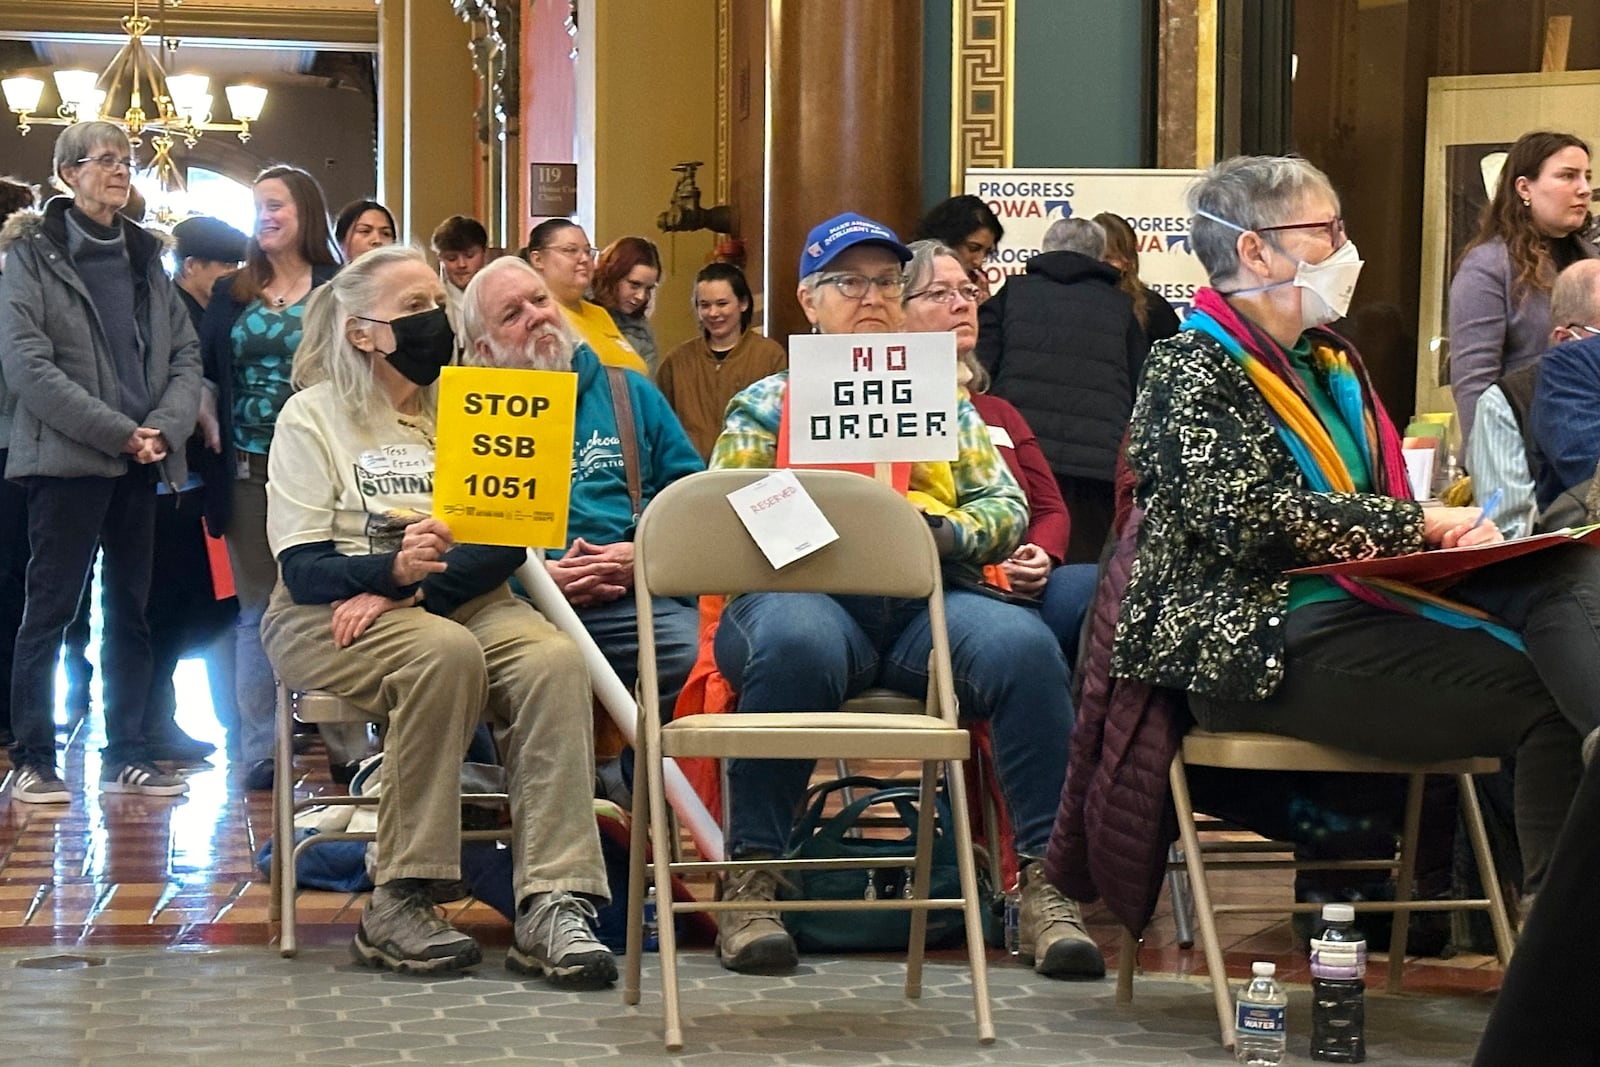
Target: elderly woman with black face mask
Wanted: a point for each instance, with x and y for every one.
(1259, 447)
(378, 604)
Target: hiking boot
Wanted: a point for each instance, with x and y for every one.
(140, 777)
(37, 784)
(754, 942)
(552, 937)
(1050, 931)
(401, 931)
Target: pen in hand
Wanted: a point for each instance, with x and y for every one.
(1488, 507)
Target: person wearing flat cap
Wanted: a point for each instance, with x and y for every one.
(207, 248)
(1009, 668)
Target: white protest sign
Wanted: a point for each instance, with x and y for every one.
(784, 521)
(1027, 201)
(872, 398)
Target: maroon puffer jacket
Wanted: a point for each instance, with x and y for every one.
(1116, 822)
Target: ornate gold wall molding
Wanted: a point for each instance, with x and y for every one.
(351, 23)
(724, 93)
(981, 67)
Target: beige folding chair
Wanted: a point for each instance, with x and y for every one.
(689, 542)
(1270, 752)
(320, 706)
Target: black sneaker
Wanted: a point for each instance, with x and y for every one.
(178, 747)
(258, 778)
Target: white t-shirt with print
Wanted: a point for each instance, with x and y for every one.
(331, 479)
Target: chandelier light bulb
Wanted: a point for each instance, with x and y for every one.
(246, 102)
(22, 94)
(187, 90)
(76, 87)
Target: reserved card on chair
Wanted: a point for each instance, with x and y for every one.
(784, 521)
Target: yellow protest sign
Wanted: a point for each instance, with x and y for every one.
(503, 472)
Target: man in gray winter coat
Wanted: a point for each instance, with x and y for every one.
(104, 367)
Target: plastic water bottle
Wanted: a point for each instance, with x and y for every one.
(1260, 1032)
(1338, 993)
(652, 929)
(1013, 920)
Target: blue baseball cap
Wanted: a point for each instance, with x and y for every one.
(827, 239)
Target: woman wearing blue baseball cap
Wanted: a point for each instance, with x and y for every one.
(787, 651)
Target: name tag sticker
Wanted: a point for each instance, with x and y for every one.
(784, 521)
(407, 458)
(1000, 437)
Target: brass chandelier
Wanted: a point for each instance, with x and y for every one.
(167, 109)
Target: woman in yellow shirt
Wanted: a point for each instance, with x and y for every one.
(559, 250)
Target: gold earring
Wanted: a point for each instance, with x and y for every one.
(1527, 203)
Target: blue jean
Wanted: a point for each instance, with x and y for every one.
(1067, 595)
(614, 627)
(807, 651)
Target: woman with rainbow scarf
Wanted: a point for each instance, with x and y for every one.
(1259, 446)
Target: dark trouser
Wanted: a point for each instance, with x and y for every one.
(184, 613)
(13, 581)
(1092, 505)
(1545, 1012)
(67, 518)
(1400, 686)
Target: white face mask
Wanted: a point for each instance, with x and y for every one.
(1325, 288)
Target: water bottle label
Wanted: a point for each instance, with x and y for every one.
(1338, 959)
(1260, 1019)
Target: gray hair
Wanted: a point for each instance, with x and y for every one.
(1249, 192)
(1075, 235)
(326, 354)
(1575, 298)
(82, 138)
(473, 323)
(810, 282)
(925, 254)
(919, 269)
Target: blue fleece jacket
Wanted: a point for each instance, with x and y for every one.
(600, 511)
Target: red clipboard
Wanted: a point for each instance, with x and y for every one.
(221, 568)
(1442, 564)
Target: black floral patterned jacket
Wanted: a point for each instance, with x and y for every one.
(1227, 511)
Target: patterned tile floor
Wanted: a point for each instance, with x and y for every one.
(130, 899)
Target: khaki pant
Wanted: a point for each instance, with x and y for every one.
(431, 679)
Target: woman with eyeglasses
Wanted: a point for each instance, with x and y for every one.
(1259, 446)
(808, 650)
(101, 364)
(248, 336)
(559, 250)
(938, 298)
(700, 376)
(625, 280)
(1500, 296)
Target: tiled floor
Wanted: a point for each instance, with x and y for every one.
(166, 893)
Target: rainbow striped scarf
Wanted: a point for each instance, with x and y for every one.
(1267, 366)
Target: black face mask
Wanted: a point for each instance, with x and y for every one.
(424, 344)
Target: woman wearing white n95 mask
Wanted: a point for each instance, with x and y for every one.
(1259, 447)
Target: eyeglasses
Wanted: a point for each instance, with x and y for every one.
(1334, 228)
(108, 161)
(855, 286)
(943, 294)
(572, 251)
(1576, 326)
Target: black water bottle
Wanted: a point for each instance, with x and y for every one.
(1338, 989)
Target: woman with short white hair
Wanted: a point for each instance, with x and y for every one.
(103, 363)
